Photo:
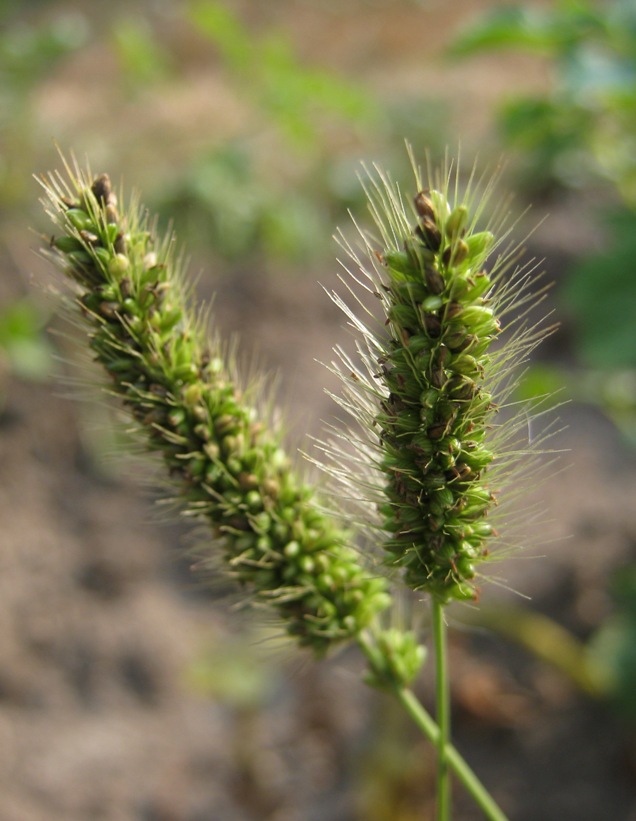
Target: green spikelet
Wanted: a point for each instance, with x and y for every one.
(228, 468)
(430, 384)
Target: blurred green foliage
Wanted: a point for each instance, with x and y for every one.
(276, 188)
(29, 51)
(298, 99)
(223, 198)
(613, 646)
(142, 59)
(24, 349)
(236, 670)
(581, 132)
(584, 126)
(601, 292)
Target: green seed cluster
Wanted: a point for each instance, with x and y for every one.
(228, 468)
(395, 658)
(434, 418)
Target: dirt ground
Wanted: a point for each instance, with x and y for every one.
(105, 714)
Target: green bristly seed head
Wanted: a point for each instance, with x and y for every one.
(438, 399)
(431, 382)
(227, 468)
(395, 658)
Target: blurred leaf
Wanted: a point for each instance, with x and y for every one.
(223, 184)
(542, 381)
(515, 26)
(613, 647)
(27, 52)
(583, 126)
(286, 90)
(21, 338)
(142, 58)
(304, 87)
(293, 228)
(601, 292)
(612, 391)
(233, 670)
(240, 211)
(553, 30)
(590, 72)
(553, 135)
(219, 24)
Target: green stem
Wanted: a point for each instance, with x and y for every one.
(442, 691)
(426, 724)
(466, 776)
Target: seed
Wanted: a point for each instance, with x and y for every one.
(248, 481)
(436, 432)
(79, 219)
(434, 280)
(120, 243)
(88, 238)
(432, 303)
(102, 190)
(424, 205)
(430, 234)
(67, 244)
(291, 550)
(432, 325)
(479, 244)
(109, 310)
(397, 261)
(456, 222)
(455, 254)
(118, 265)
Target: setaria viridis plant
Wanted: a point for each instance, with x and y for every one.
(227, 464)
(423, 463)
(434, 371)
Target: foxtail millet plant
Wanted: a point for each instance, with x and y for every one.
(429, 382)
(425, 389)
(434, 372)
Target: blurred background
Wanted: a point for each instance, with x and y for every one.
(127, 693)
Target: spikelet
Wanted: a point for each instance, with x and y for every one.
(230, 470)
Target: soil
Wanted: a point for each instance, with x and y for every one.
(129, 693)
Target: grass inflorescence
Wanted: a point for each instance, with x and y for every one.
(436, 370)
(227, 465)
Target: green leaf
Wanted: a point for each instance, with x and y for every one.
(601, 293)
(27, 350)
(141, 57)
(542, 381)
(553, 30)
(613, 647)
(216, 22)
(507, 27)
(231, 671)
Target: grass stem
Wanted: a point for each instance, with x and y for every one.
(429, 728)
(443, 710)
